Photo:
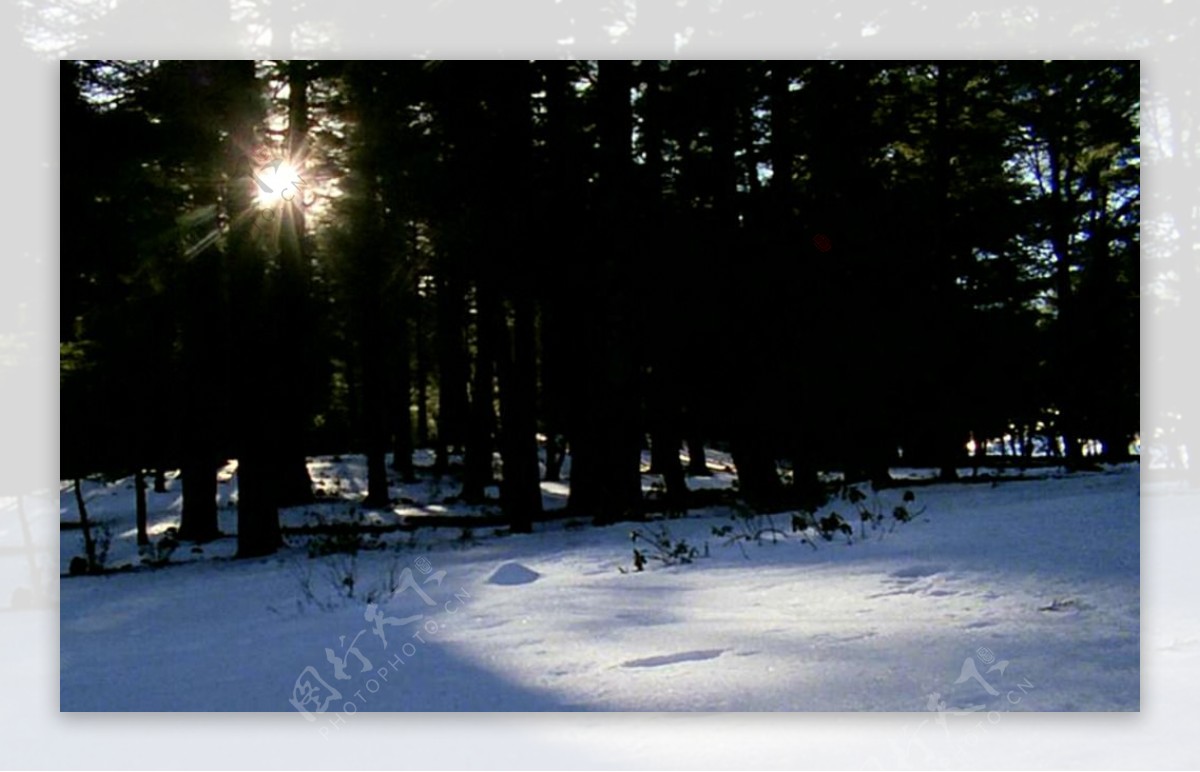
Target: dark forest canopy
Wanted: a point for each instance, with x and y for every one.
(819, 265)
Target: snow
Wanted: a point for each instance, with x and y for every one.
(513, 573)
(1043, 573)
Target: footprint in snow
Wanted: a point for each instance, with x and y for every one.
(927, 580)
(1060, 605)
(671, 659)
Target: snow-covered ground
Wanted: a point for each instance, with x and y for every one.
(1022, 596)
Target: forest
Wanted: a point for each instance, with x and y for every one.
(539, 269)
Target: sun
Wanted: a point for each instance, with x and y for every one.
(277, 183)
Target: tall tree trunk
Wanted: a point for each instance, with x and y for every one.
(697, 463)
(399, 311)
(661, 306)
(758, 475)
(555, 455)
(256, 417)
(1060, 239)
(511, 184)
(258, 516)
(139, 486)
(203, 329)
(375, 418)
(422, 352)
(402, 428)
(664, 454)
(520, 492)
(293, 315)
(805, 484)
(563, 188)
(453, 370)
(256, 412)
(752, 437)
(198, 518)
(606, 446)
(949, 442)
(477, 463)
(85, 523)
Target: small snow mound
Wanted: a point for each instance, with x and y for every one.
(916, 572)
(513, 573)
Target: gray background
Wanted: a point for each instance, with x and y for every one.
(37, 32)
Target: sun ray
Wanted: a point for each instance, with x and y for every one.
(277, 183)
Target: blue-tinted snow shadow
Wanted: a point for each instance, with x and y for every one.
(140, 642)
(423, 677)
